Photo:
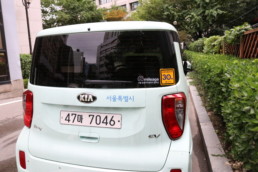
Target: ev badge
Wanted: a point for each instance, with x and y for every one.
(154, 136)
(86, 98)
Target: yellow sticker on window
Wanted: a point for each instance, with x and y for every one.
(167, 76)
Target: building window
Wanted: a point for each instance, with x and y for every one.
(134, 5)
(101, 2)
(4, 69)
(123, 7)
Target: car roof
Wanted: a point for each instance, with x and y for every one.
(107, 26)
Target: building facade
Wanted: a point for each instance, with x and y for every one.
(129, 5)
(14, 41)
(35, 19)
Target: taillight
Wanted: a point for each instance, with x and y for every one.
(176, 170)
(173, 114)
(22, 159)
(28, 107)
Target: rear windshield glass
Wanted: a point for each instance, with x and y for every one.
(131, 59)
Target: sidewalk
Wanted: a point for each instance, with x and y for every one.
(214, 151)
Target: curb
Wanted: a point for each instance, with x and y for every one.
(213, 149)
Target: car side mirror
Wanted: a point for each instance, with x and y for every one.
(187, 67)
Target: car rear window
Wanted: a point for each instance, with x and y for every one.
(128, 59)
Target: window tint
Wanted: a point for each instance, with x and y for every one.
(103, 59)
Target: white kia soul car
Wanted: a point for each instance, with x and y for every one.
(106, 97)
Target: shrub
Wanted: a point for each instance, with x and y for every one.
(25, 65)
(198, 45)
(25, 83)
(212, 45)
(231, 88)
(233, 35)
(114, 14)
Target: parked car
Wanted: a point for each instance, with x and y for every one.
(106, 97)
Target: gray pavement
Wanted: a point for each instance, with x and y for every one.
(199, 160)
(215, 154)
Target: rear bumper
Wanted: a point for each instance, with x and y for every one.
(39, 165)
(176, 160)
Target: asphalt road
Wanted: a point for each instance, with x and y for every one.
(11, 123)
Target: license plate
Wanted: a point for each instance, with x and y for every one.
(103, 120)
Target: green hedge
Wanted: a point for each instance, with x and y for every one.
(25, 83)
(25, 65)
(231, 89)
(212, 45)
(233, 35)
(197, 45)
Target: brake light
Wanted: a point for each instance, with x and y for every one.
(22, 159)
(173, 114)
(28, 107)
(176, 170)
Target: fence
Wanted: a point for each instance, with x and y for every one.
(249, 44)
(231, 49)
(248, 47)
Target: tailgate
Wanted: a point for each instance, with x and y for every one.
(140, 143)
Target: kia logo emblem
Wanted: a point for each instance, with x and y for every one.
(86, 98)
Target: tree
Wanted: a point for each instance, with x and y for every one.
(239, 11)
(66, 12)
(114, 14)
(197, 17)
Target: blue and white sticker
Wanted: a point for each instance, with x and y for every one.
(120, 98)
